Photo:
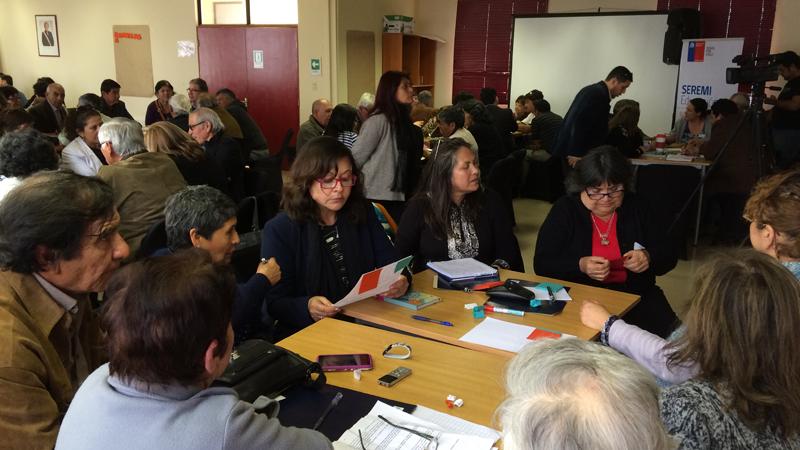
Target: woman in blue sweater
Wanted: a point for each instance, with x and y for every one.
(325, 239)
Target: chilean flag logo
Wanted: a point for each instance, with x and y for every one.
(697, 51)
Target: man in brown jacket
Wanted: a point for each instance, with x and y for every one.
(58, 243)
(141, 180)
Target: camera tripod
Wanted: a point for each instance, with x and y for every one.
(754, 116)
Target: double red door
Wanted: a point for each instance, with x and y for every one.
(226, 57)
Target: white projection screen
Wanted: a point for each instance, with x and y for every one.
(561, 54)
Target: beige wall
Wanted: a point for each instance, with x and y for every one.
(785, 32)
(569, 6)
(87, 48)
(314, 39)
(438, 20)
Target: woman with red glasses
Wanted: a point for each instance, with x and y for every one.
(326, 238)
(603, 236)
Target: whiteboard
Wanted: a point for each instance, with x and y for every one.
(561, 54)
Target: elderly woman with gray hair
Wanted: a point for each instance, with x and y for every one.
(181, 107)
(207, 129)
(602, 235)
(574, 394)
(141, 180)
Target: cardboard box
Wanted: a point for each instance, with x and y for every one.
(398, 24)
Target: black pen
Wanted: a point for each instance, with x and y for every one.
(550, 293)
(328, 410)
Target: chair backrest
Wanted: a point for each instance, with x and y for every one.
(268, 204)
(155, 239)
(386, 220)
(245, 213)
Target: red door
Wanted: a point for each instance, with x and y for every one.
(225, 54)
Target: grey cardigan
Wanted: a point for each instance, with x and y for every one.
(376, 155)
(110, 413)
(681, 125)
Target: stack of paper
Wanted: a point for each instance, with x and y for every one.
(462, 269)
(378, 434)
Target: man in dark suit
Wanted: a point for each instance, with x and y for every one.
(502, 118)
(49, 115)
(207, 129)
(47, 36)
(586, 123)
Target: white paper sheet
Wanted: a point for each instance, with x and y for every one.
(366, 286)
(377, 434)
(494, 333)
(455, 424)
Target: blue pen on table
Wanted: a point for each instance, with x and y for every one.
(428, 319)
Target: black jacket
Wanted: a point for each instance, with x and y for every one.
(566, 236)
(224, 152)
(586, 123)
(495, 235)
(306, 271)
(253, 137)
(505, 124)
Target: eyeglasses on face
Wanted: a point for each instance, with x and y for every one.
(330, 183)
(191, 127)
(616, 193)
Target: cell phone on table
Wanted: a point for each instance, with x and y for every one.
(341, 363)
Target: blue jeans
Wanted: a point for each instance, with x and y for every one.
(787, 147)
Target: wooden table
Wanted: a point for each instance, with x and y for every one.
(699, 164)
(451, 309)
(438, 369)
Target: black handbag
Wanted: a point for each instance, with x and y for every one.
(258, 368)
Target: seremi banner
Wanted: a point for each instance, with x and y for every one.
(702, 72)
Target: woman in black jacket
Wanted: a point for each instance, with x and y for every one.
(453, 217)
(601, 236)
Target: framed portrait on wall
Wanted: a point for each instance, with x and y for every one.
(47, 35)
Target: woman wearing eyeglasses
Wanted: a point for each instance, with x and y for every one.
(602, 236)
(453, 217)
(326, 238)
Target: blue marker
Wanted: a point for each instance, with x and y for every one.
(428, 319)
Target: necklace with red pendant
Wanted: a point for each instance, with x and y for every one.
(604, 236)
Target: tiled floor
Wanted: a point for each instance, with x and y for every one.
(531, 213)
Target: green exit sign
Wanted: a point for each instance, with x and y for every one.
(316, 66)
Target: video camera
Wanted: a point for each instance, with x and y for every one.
(753, 69)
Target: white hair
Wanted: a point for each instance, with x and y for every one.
(204, 114)
(180, 104)
(125, 135)
(574, 394)
(366, 100)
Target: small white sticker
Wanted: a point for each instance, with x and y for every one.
(186, 49)
(258, 59)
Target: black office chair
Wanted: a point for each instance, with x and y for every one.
(155, 239)
(264, 171)
(268, 205)
(245, 213)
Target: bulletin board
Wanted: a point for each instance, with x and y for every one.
(134, 60)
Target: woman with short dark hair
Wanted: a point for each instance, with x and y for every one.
(453, 217)
(326, 238)
(159, 109)
(23, 153)
(168, 321)
(602, 235)
(80, 155)
(342, 124)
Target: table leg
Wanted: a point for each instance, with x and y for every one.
(699, 206)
